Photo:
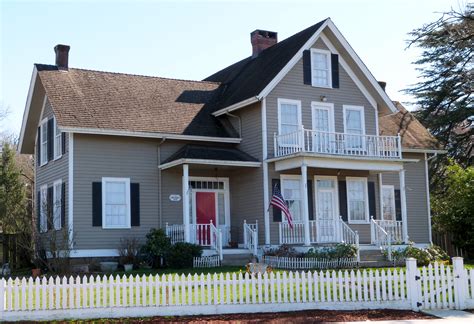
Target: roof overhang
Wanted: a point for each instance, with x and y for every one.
(114, 132)
(423, 150)
(291, 63)
(174, 163)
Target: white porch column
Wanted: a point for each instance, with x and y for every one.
(379, 176)
(305, 210)
(186, 218)
(403, 205)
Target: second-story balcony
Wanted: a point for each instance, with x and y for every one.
(339, 144)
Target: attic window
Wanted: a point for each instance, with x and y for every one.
(321, 68)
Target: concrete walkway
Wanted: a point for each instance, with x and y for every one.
(445, 316)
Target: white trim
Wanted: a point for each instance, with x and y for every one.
(34, 74)
(403, 204)
(113, 132)
(45, 100)
(281, 101)
(380, 184)
(327, 106)
(291, 63)
(415, 150)
(350, 72)
(185, 195)
(56, 156)
(428, 202)
(42, 124)
(174, 163)
(266, 194)
(70, 198)
(55, 198)
(336, 193)
(364, 180)
(392, 191)
(127, 202)
(93, 253)
(362, 66)
(235, 106)
(328, 62)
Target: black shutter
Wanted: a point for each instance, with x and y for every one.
(372, 205)
(335, 70)
(398, 205)
(310, 200)
(63, 143)
(343, 200)
(38, 147)
(135, 204)
(50, 139)
(307, 67)
(97, 204)
(50, 208)
(276, 211)
(38, 211)
(63, 205)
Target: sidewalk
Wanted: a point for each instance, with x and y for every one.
(445, 316)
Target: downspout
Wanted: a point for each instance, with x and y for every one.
(428, 198)
(158, 156)
(240, 122)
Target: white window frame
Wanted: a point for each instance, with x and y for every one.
(43, 150)
(43, 215)
(284, 177)
(127, 224)
(392, 191)
(328, 60)
(282, 101)
(57, 135)
(366, 197)
(57, 199)
(326, 106)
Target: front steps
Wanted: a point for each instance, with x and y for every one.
(373, 258)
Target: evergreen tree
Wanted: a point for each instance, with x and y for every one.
(444, 93)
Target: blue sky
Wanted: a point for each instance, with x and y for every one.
(193, 39)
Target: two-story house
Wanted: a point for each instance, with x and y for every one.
(119, 154)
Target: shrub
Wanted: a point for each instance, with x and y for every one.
(129, 251)
(423, 256)
(180, 255)
(156, 246)
(341, 250)
(282, 251)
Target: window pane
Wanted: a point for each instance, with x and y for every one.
(354, 121)
(221, 208)
(289, 114)
(356, 193)
(115, 203)
(320, 61)
(325, 184)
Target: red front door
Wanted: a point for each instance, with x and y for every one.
(205, 213)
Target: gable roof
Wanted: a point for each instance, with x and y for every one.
(248, 77)
(413, 134)
(103, 100)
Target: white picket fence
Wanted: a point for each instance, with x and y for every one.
(437, 286)
(308, 263)
(210, 261)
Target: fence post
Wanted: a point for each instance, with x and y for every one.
(2, 296)
(460, 283)
(412, 284)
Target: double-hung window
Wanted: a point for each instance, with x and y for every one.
(289, 122)
(44, 142)
(388, 202)
(57, 204)
(116, 203)
(291, 192)
(354, 127)
(43, 209)
(57, 141)
(357, 200)
(320, 68)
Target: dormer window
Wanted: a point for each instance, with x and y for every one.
(321, 68)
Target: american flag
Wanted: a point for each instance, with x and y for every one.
(279, 202)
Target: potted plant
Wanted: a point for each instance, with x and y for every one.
(128, 253)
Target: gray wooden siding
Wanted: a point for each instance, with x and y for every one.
(417, 209)
(54, 170)
(251, 118)
(292, 87)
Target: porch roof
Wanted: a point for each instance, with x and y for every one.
(207, 155)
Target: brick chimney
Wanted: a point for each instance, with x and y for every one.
(262, 39)
(62, 56)
(382, 84)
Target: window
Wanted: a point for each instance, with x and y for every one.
(115, 202)
(44, 142)
(354, 125)
(57, 141)
(289, 121)
(291, 192)
(320, 68)
(43, 206)
(388, 203)
(357, 200)
(57, 204)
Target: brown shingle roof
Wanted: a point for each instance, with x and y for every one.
(414, 134)
(103, 100)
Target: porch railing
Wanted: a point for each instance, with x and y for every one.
(175, 232)
(313, 141)
(251, 237)
(394, 227)
(381, 237)
(216, 239)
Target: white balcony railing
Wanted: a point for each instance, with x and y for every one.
(312, 141)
